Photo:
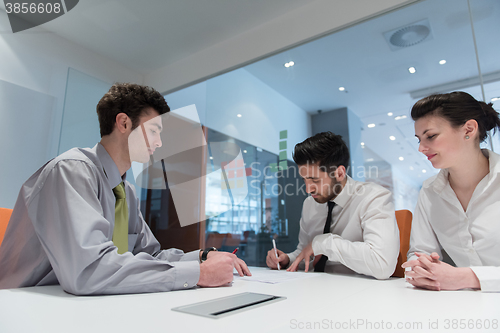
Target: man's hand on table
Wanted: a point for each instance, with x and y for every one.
(217, 270)
(305, 255)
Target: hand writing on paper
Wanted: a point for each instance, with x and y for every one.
(272, 261)
(305, 255)
(429, 272)
(217, 270)
(240, 266)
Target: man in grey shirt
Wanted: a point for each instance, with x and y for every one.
(61, 229)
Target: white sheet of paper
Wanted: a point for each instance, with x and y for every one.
(274, 276)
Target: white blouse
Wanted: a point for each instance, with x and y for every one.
(472, 237)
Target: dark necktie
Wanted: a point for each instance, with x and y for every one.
(320, 265)
(120, 232)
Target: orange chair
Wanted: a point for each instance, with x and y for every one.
(403, 217)
(5, 214)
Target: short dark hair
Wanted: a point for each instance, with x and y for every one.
(130, 99)
(458, 107)
(326, 149)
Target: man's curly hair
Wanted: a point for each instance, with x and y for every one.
(130, 99)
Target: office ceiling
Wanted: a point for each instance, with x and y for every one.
(147, 35)
(377, 80)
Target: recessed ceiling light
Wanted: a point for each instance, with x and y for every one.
(412, 70)
(392, 137)
(211, 158)
(362, 143)
(424, 171)
(289, 64)
(494, 99)
(341, 88)
(244, 151)
(400, 117)
(371, 125)
(389, 114)
(442, 62)
(238, 115)
(401, 158)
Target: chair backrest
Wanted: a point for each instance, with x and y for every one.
(403, 217)
(5, 214)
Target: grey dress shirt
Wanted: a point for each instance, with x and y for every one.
(61, 231)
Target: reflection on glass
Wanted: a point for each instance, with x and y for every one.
(253, 222)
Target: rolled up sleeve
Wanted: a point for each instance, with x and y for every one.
(377, 254)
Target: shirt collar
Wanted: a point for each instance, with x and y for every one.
(441, 180)
(109, 167)
(494, 161)
(344, 195)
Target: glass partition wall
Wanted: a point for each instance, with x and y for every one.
(251, 224)
(247, 222)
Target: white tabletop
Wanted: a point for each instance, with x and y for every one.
(325, 302)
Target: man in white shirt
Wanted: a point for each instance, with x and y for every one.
(361, 234)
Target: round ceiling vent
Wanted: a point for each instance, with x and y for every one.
(410, 35)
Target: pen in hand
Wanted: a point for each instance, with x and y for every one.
(276, 253)
(235, 250)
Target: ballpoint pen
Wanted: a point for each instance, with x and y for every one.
(235, 250)
(276, 253)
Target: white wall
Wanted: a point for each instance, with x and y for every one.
(313, 20)
(405, 191)
(35, 66)
(80, 123)
(24, 136)
(264, 112)
(357, 161)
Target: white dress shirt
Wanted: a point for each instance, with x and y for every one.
(364, 234)
(472, 237)
(61, 230)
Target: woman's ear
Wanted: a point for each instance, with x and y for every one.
(470, 129)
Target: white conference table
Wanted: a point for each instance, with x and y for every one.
(324, 302)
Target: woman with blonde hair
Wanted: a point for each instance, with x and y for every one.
(458, 210)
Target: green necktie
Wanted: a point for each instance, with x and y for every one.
(120, 233)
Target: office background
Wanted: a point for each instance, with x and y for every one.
(228, 58)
